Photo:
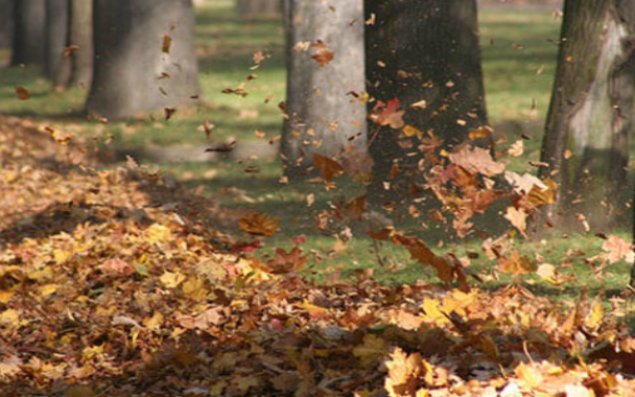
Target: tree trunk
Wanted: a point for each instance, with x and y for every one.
(144, 57)
(326, 115)
(6, 23)
(259, 9)
(81, 35)
(590, 117)
(421, 50)
(28, 38)
(58, 66)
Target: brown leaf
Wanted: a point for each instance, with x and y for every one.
(258, 224)
(477, 161)
(22, 93)
(322, 54)
(616, 248)
(329, 168)
(166, 43)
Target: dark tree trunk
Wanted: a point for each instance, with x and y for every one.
(28, 39)
(326, 115)
(6, 23)
(421, 50)
(58, 66)
(81, 35)
(259, 9)
(137, 67)
(590, 117)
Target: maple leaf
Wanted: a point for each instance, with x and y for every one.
(516, 264)
(258, 224)
(329, 168)
(9, 367)
(285, 262)
(476, 161)
(389, 114)
(616, 248)
(372, 349)
(523, 184)
(322, 54)
(403, 373)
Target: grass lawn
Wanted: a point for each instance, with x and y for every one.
(519, 51)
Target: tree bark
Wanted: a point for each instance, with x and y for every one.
(144, 57)
(58, 66)
(81, 35)
(421, 50)
(326, 115)
(6, 23)
(590, 117)
(28, 38)
(259, 9)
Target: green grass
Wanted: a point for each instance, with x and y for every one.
(519, 53)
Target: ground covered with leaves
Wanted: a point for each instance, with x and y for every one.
(118, 282)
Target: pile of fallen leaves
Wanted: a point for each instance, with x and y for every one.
(117, 282)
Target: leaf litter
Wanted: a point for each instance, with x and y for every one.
(119, 282)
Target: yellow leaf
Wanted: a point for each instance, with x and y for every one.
(61, 256)
(433, 313)
(529, 375)
(171, 280)
(10, 317)
(457, 301)
(48, 289)
(372, 349)
(5, 296)
(154, 322)
(158, 233)
(194, 287)
(410, 130)
(594, 318)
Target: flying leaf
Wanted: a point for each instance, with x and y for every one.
(258, 224)
(22, 93)
(166, 43)
(329, 168)
(476, 161)
(518, 218)
(322, 54)
(616, 248)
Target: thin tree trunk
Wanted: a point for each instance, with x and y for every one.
(28, 38)
(259, 9)
(423, 52)
(81, 35)
(326, 114)
(145, 58)
(590, 117)
(58, 66)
